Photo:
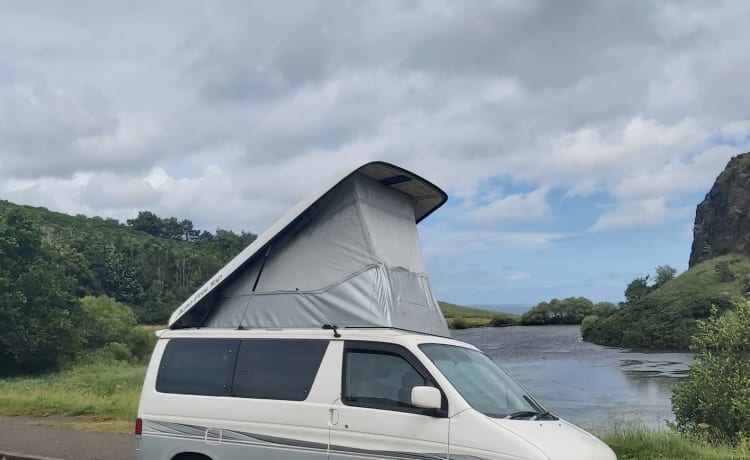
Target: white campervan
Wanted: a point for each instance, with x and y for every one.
(322, 339)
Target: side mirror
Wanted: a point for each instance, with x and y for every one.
(426, 397)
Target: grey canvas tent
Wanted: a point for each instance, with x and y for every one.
(346, 256)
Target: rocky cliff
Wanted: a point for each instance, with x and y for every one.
(722, 220)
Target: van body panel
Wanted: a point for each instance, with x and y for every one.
(474, 435)
(365, 433)
(559, 438)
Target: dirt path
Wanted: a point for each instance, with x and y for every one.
(29, 435)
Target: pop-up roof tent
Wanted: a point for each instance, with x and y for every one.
(346, 256)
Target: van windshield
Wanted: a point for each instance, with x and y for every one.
(482, 383)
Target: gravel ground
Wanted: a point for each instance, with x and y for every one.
(28, 435)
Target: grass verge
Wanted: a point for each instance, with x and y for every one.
(634, 443)
(101, 391)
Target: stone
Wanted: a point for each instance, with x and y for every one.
(722, 219)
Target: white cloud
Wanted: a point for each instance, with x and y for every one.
(518, 207)
(649, 212)
(448, 243)
(517, 276)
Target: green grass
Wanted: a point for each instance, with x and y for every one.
(636, 443)
(104, 391)
(475, 317)
(704, 277)
(451, 310)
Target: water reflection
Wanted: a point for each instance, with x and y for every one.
(589, 384)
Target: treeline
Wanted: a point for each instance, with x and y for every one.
(661, 312)
(565, 311)
(50, 261)
(149, 263)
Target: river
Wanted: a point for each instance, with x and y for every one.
(591, 385)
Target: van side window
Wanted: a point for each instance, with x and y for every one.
(198, 367)
(380, 379)
(277, 369)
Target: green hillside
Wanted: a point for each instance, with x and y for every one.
(665, 317)
(149, 263)
(462, 317)
(451, 310)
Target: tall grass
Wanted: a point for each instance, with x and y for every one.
(636, 443)
(102, 391)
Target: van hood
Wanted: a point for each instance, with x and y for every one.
(559, 439)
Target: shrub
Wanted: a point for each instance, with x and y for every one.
(105, 320)
(587, 325)
(724, 273)
(117, 351)
(501, 320)
(141, 343)
(715, 399)
(459, 323)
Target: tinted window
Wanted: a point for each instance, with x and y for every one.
(277, 369)
(380, 380)
(198, 367)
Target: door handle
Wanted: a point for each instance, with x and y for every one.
(334, 419)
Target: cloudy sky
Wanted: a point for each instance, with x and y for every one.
(574, 138)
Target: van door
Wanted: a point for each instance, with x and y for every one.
(374, 415)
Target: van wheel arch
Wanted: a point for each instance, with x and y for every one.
(191, 456)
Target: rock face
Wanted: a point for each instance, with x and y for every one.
(722, 220)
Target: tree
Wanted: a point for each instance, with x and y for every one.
(716, 396)
(38, 308)
(566, 311)
(637, 289)
(664, 273)
(147, 222)
(603, 309)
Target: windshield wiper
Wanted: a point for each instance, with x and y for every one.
(534, 415)
(522, 414)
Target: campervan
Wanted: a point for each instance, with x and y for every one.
(322, 340)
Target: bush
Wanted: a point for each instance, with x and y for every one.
(501, 320)
(141, 343)
(459, 323)
(715, 399)
(116, 351)
(587, 325)
(105, 320)
(110, 327)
